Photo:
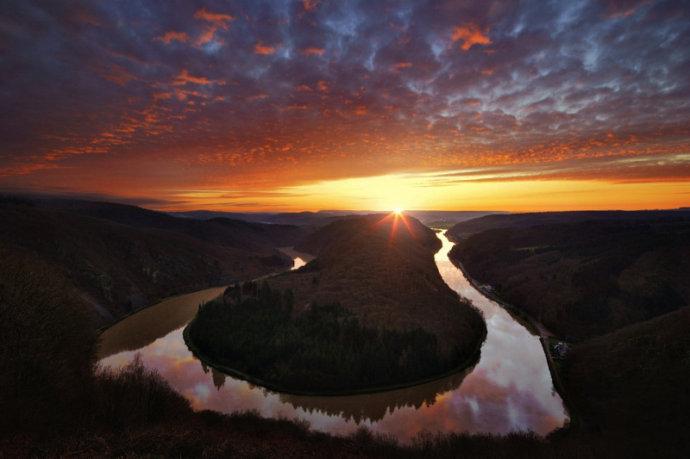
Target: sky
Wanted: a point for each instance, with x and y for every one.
(317, 104)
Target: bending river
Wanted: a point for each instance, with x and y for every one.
(508, 390)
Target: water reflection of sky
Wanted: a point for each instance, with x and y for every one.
(509, 389)
(298, 263)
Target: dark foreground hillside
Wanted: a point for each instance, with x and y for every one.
(121, 258)
(585, 278)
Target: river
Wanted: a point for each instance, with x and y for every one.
(508, 390)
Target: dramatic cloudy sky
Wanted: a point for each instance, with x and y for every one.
(314, 104)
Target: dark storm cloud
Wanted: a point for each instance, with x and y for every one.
(256, 88)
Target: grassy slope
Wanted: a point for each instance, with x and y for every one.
(119, 268)
(387, 278)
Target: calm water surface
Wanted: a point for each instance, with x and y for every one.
(508, 390)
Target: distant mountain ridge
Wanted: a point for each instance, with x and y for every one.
(529, 219)
(323, 217)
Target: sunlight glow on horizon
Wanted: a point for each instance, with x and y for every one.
(438, 192)
(349, 105)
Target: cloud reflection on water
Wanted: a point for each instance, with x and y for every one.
(509, 389)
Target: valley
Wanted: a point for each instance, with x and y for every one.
(364, 263)
(122, 258)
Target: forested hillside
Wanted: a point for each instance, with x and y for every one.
(631, 384)
(616, 286)
(121, 258)
(467, 228)
(370, 311)
(382, 269)
(326, 348)
(585, 278)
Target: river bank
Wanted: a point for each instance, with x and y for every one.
(534, 326)
(509, 389)
(277, 387)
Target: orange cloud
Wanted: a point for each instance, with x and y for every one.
(322, 86)
(206, 36)
(216, 20)
(264, 50)
(162, 96)
(470, 34)
(182, 94)
(361, 110)
(313, 51)
(185, 77)
(169, 37)
(220, 19)
(310, 5)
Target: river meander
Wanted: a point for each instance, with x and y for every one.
(508, 390)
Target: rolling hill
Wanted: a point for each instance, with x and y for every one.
(617, 286)
(370, 312)
(382, 268)
(583, 278)
(472, 226)
(121, 258)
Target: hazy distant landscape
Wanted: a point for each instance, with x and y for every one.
(345, 228)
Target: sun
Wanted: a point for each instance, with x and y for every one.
(398, 211)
